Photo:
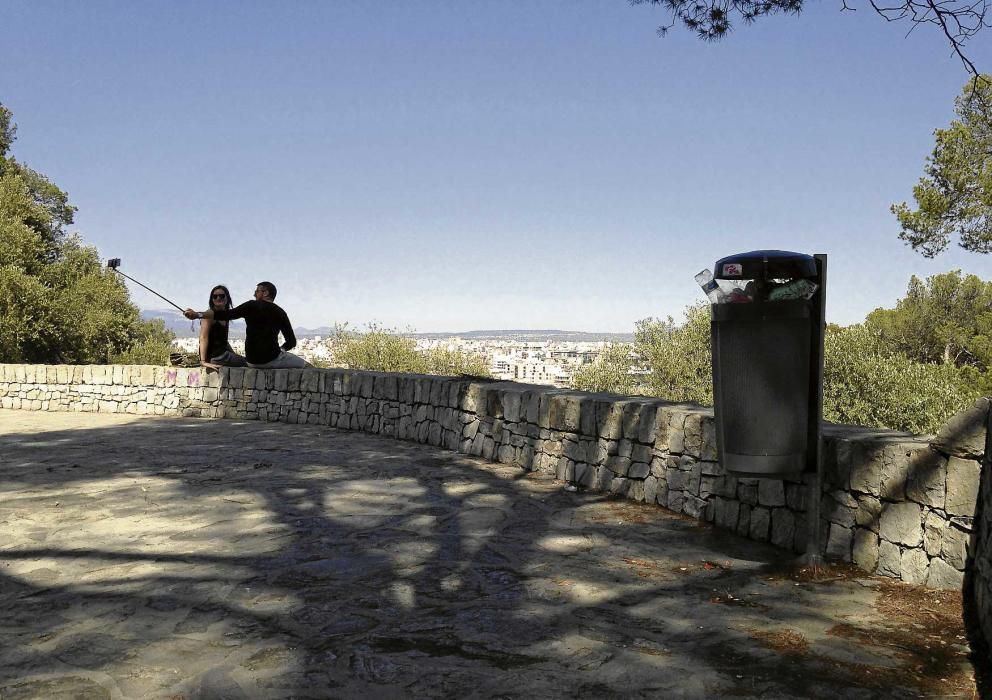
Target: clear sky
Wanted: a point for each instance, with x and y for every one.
(451, 165)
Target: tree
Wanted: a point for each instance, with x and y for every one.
(958, 20)
(945, 320)
(384, 350)
(57, 303)
(866, 383)
(611, 372)
(454, 363)
(954, 197)
(678, 357)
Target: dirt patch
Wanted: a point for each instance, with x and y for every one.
(788, 642)
(923, 628)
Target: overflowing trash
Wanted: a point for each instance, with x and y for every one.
(745, 291)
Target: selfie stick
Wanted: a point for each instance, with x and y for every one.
(115, 263)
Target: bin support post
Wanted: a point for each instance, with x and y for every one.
(814, 556)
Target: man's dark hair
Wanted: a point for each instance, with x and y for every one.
(270, 288)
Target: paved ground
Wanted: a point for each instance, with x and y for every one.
(180, 558)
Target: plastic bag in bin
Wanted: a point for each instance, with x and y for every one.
(747, 291)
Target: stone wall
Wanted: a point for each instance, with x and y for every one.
(892, 503)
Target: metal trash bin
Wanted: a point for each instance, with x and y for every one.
(767, 343)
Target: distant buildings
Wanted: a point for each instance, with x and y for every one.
(551, 362)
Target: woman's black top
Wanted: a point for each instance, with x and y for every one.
(217, 340)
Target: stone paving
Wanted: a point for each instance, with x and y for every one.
(183, 558)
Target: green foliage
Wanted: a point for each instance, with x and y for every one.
(151, 345)
(888, 372)
(947, 319)
(384, 350)
(954, 197)
(453, 363)
(866, 383)
(611, 372)
(57, 303)
(678, 357)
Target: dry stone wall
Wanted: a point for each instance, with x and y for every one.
(895, 504)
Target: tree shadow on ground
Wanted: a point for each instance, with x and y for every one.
(222, 557)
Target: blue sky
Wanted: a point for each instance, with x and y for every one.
(449, 166)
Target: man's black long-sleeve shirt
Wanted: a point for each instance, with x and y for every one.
(264, 321)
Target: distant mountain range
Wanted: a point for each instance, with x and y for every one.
(183, 328)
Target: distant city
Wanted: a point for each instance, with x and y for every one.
(532, 356)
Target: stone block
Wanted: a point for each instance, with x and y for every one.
(662, 423)
(895, 470)
(747, 491)
(771, 492)
(675, 500)
(943, 576)
(533, 406)
(565, 412)
(618, 465)
(933, 533)
(712, 469)
(726, 513)
(744, 520)
(631, 419)
(868, 512)
(676, 432)
(760, 522)
(575, 451)
(597, 452)
(625, 448)
(954, 547)
(914, 565)
(902, 523)
(693, 444)
(839, 541)
(783, 527)
(963, 476)
(618, 486)
(693, 506)
(641, 453)
(964, 434)
(648, 424)
(838, 513)
(471, 399)
(707, 451)
(926, 478)
(638, 470)
(609, 420)
(651, 489)
(889, 560)
(865, 550)
(866, 461)
(511, 406)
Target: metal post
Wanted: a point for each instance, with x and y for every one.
(813, 556)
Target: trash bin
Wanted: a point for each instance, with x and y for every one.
(767, 344)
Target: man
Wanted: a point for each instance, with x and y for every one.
(264, 321)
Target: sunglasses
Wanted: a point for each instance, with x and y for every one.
(219, 296)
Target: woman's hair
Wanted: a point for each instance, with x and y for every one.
(220, 287)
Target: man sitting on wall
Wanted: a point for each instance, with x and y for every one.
(264, 320)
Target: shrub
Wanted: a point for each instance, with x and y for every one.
(610, 372)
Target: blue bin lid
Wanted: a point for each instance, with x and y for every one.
(765, 264)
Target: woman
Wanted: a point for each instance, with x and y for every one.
(215, 350)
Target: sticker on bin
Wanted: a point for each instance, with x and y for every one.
(732, 270)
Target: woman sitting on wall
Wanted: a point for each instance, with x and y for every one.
(215, 350)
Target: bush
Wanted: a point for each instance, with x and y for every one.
(610, 372)
(151, 345)
(678, 357)
(866, 384)
(383, 350)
